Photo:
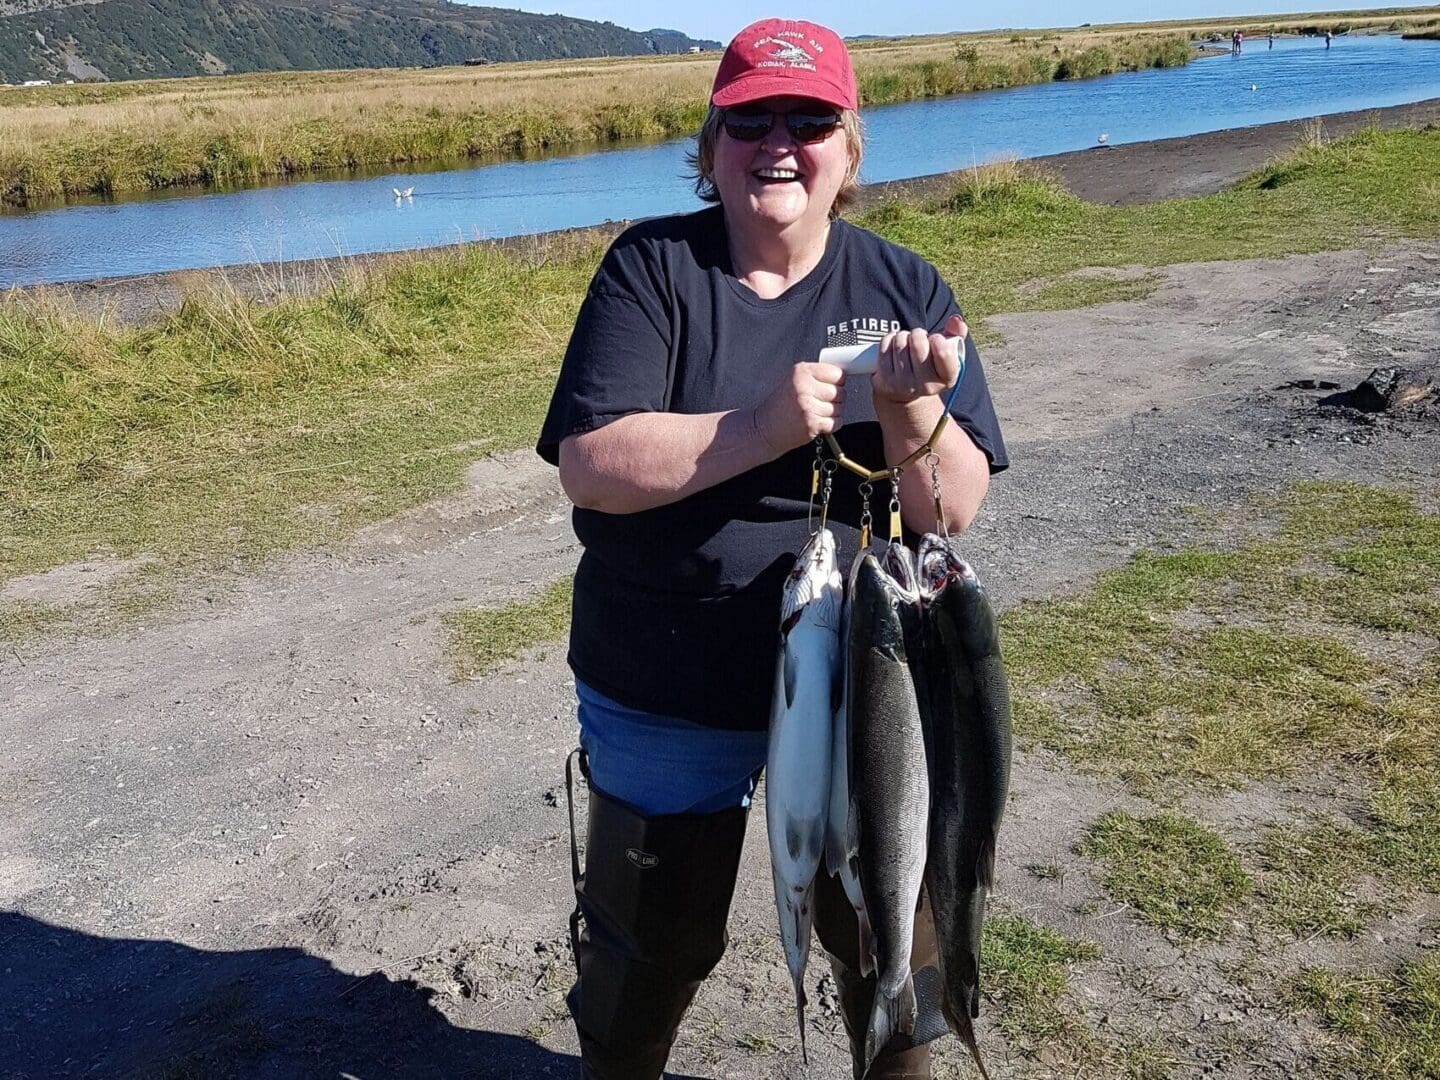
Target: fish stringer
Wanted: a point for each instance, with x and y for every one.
(866, 490)
(932, 462)
(822, 481)
(897, 528)
(925, 452)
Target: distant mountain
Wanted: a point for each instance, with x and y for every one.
(137, 39)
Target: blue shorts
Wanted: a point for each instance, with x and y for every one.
(664, 765)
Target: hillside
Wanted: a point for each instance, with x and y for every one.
(134, 39)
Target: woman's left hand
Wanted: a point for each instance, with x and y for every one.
(914, 364)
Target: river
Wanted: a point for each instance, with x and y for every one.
(305, 219)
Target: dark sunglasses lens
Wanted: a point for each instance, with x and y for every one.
(811, 128)
(748, 128)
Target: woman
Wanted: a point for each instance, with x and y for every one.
(683, 425)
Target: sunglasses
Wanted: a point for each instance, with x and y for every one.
(804, 127)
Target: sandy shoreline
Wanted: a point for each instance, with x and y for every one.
(1184, 167)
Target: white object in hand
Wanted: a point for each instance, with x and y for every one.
(855, 359)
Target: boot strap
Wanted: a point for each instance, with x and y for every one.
(575, 874)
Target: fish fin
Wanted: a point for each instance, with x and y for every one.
(985, 865)
(888, 1016)
(867, 943)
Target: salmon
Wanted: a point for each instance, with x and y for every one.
(964, 702)
(797, 769)
(889, 782)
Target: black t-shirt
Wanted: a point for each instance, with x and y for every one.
(676, 609)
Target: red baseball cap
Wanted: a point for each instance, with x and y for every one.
(785, 58)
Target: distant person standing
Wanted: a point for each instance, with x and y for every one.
(1235, 39)
(1328, 36)
(1271, 39)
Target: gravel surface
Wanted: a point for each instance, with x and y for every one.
(265, 835)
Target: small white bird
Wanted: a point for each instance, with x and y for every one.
(407, 193)
(1102, 138)
(1253, 88)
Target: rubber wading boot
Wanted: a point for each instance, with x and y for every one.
(904, 1057)
(654, 898)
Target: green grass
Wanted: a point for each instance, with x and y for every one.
(483, 639)
(1384, 1029)
(1308, 884)
(22, 620)
(1025, 970)
(1071, 291)
(1217, 667)
(1025, 966)
(1315, 875)
(1187, 667)
(231, 430)
(1177, 874)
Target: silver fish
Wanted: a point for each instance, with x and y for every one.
(797, 770)
(889, 784)
(965, 711)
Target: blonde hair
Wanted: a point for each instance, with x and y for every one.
(702, 159)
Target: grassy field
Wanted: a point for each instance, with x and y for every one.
(135, 136)
(232, 429)
(1185, 671)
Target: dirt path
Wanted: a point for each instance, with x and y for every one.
(267, 836)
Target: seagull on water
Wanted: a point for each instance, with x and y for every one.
(406, 193)
(1253, 88)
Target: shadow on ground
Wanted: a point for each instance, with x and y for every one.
(76, 1005)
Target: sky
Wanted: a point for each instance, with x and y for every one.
(899, 17)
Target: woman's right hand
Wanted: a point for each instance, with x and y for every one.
(806, 404)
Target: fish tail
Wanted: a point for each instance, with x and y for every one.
(800, 1003)
(964, 1029)
(797, 948)
(889, 1015)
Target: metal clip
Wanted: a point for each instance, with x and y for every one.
(866, 490)
(932, 462)
(830, 468)
(897, 528)
(814, 485)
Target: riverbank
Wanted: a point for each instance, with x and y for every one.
(1124, 175)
